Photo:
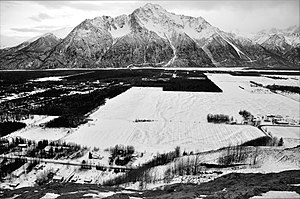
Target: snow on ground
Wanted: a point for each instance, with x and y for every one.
(284, 132)
(50, 196)
(118, 32)
(266, 80)
(38, 119)
(257, 103)
(179, 118)
(39, 133)
(277, 195)
(35, 131)
(290, 135)
(20, 95)
(44, 79)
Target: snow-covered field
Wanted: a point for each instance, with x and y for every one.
(35, 131)
(290, 135)
(179, 118)
(39, 133)
(277, 195)
(173, 118)
(258, 103)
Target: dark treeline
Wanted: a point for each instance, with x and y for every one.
(293, 89)
(23, 76)
(140, 174)
(217, 118)
(182, 84)
(69, 121)
(9, 127)
(7, 167)
(51, 93)
(79, 104)
(73, 109)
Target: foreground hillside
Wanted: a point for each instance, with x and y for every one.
(234, 185)
(152, 36)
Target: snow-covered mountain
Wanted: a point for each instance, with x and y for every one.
(28, 55)
(152, 36)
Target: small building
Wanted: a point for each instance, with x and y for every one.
(270, 116)
(14, 184)
(88, 180)
(281, 122)
(22, 146)
(58, 178)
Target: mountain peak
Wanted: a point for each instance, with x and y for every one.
(153, 36)
(153, 6)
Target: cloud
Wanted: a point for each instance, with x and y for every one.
(53, 4)
(79, 5)
(39, 29)
(10, 41)
(40, 17)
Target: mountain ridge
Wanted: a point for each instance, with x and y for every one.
(152, 36)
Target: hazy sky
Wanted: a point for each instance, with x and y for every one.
(22, 20)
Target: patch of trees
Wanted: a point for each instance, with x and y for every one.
(276, 77)
(72, 109)
(44, 177)
(68, 121)
(13, 117)
(293, 89)
(265, 141)
(6, 145)
(8, 167)
(9, 127)
(218, 118)
(51, 93)
(141, 174)
(195, 85)
(246, 114)
(23, 76)
(120, 154)
(80, 104)
(257, 84)
(182, 84)
(143, 120)
(233, 154)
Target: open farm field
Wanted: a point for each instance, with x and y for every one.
(259, 101)
(152, 119)
(290, 135)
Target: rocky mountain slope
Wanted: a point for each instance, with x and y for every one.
(152, 36)
(28, 55)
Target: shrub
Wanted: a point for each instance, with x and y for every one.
(280, 143)
(233, 154)
(217, 118)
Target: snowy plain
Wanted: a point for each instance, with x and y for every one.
(179, 118)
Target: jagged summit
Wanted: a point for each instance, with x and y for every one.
(151, 35)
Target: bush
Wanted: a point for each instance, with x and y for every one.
(217, 118)
(141, 174)
(280, 143)
(246, 114)
(44, 177)
(233, 154)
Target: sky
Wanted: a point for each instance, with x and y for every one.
(22, 20)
